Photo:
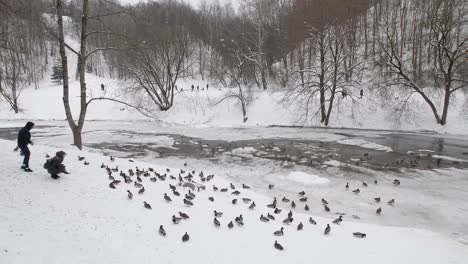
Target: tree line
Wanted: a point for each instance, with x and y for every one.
(320, 52)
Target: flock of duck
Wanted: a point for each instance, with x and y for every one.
(186, 181)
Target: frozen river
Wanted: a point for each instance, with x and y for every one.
(433, 169)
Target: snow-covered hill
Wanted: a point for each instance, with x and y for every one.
(79, 219)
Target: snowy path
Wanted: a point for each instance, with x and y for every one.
(79, 219)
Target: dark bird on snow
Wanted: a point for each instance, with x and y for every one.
(252, 206)
(232, 186)
(379, 210)
(223, 190)
(230, 225)
(215, 188)
(187, 202)
(234, 201)
(303, 199)
(86, 163)
(167, 198)
(184, 215)
(185, 237)
(359, 234)
(396, 182)
(81, 158)
(142, 190)
(211, 199)
(270, 216)
(375, 182)
(129, 194)
(270, 186)
(138, 185)
(300, 226)
(277, 210)
(327, 230)
(347, 185)
(278, 246)
(236, 192)
(357, 191)
(302, 193)
(377, 199)
(338, 220)
(306, 207)
(102, 165)
(264, 219)
(239, 220)
(285, 200)
(327, 209)
(279, 232)
(112, 158)
(290, 214)
(293, 204)
(246, 200)
(176, 193)
(162, 232)
(216, 222)
(111, 185)
(147, 205)
(288, 220)
(312, 221)
(324, 201)
(245, 186)
(217, 214)
(364, 184)
(391, 202)
(175, 219)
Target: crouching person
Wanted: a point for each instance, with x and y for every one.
(54, 165)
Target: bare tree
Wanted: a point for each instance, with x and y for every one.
(235, 72)
(156, 64)
(450, 46)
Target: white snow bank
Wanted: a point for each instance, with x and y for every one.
(79, 219)
(448, 158)
(307, 179)
(364, 144)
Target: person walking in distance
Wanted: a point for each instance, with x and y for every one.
(24, 139)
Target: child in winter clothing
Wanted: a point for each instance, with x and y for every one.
(54, 165)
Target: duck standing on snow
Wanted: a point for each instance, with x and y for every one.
(129, 194)
(278, 246)
(300, 226)
(338, 220)
(279, 232)
(185, 237)
(167, 198)
(391, 202)
(378, 211)
(162, 232)
(359, 234)
(184, 215)
(312, 221)
(327, 230)
(147, 205)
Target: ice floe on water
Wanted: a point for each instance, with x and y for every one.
(364, 144)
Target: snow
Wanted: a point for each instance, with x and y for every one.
(78, 219)
(306, 179)
(364, 144)
(448, 158)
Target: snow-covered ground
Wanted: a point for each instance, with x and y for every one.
(79, 219)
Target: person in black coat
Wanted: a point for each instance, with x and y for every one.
(54, 165)
(24, 139)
